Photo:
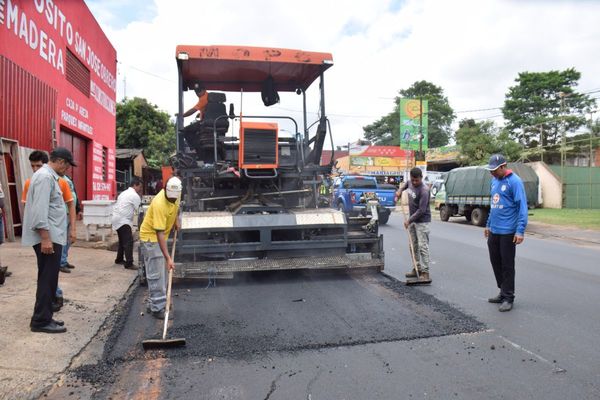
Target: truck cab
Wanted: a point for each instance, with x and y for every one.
(350, 192)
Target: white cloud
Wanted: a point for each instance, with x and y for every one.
(473, 49)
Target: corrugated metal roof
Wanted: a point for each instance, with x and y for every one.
(128, 153)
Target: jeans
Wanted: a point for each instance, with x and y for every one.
(419, 235)
(502, 256)
(155, 274)
(125, 245)
(47, 282)
(65, 250)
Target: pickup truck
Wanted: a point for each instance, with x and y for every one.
(347, 192)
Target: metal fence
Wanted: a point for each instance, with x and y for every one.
(581, 186)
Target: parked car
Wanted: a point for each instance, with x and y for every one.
(348, 190)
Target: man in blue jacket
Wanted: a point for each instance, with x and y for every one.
(505, 227)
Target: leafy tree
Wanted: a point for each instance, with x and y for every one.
(541, 102)
(479, 140)
(386, 130)
(142, 125)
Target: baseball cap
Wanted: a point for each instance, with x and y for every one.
(496, 161)
(61, 152)
(174, 187)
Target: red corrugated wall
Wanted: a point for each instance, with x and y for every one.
(27, 107)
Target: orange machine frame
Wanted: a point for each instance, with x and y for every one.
(264, 126)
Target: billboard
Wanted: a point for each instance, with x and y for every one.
(379, 160)
(413, 123)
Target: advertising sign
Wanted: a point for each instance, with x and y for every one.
(379, 160)
(413, 124)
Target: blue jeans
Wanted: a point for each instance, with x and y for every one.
(65, 249)
(59, 292)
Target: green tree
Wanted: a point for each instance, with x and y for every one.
(537, 107)
(479, 140)
(142, 125)
(386, 130)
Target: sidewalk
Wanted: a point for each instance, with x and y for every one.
(583, 236)
(540, 229)
(29, 362)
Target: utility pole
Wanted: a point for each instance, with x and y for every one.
(542, 142)
(420, 156)
(563, 144)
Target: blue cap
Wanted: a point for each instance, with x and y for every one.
(496, 161)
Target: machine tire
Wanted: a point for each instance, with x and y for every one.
(444, 213)
(383, 217)
(434, 191)
(479, 216)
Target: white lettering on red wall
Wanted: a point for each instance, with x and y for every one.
(40, 41)
(102, 187)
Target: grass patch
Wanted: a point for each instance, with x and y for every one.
(584, 218)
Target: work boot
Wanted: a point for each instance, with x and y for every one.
(55, 307)
(60, 300)
(424, 277)
(161, 314)
(505, 306)
(70, 266)
(130, 266)
(495, 300)
(65, 269)
(120, 262)
(411, 274)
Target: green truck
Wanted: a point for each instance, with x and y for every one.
(466, 192)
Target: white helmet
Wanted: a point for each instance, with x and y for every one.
(173, 188)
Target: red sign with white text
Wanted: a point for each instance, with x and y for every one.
(61, 44)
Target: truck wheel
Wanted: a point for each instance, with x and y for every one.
(479, 216)
(444, 213)
(383, 218)
(468, 215)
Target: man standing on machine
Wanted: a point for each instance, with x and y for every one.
(160, 218)
(418, 225)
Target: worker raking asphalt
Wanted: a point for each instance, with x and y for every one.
(258, 313)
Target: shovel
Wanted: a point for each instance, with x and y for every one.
(164, 342)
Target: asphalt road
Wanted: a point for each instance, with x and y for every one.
(338, 335)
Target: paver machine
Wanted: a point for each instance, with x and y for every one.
(251, 174)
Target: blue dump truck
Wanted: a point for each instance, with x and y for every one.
(466, 192)
(348, 191)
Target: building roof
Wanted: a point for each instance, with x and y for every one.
(128, 153)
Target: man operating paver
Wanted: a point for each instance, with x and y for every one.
(505, 227)
(160, 218)
(418, 223)
(44, 228)
(122, 221)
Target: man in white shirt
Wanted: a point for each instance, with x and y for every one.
(122, 221)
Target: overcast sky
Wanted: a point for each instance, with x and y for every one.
(472, 49)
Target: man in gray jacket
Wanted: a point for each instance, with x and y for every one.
(44, 228)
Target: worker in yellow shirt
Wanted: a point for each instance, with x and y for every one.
(161, 217)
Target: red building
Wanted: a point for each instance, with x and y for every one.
(57, 88)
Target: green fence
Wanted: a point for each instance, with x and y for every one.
(581, 186)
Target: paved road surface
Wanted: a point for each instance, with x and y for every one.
(361, 336)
